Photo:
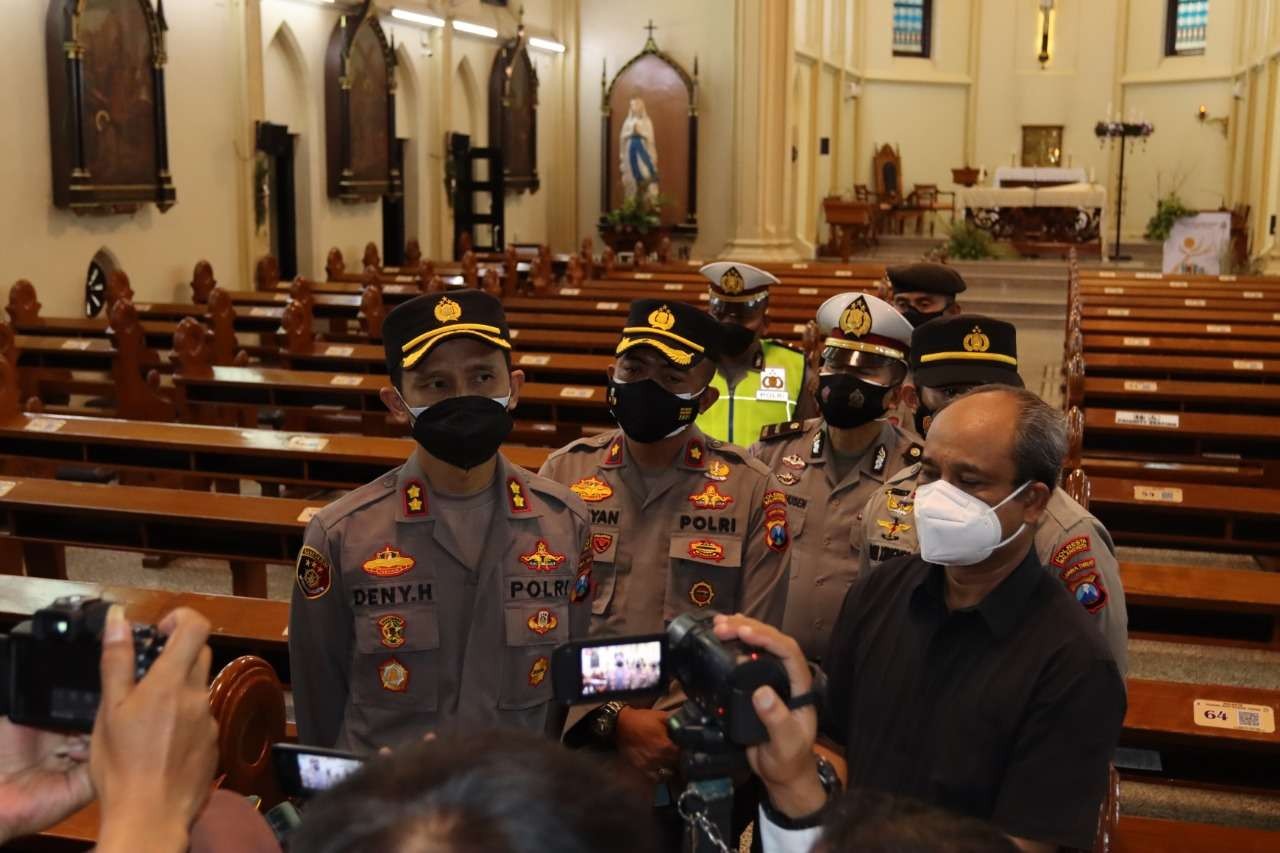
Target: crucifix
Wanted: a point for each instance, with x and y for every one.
(650, 28)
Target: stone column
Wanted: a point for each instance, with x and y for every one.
(762, 226)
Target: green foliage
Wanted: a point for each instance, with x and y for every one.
(968, 242)
(1168, 211)
(639, 213)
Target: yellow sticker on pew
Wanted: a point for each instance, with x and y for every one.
(406, 279)
(279, 297)
(1137, 342)
(696, 263)
(1150, 419)
(307, 442)
(142, 307)
(535, 360)
(570, 291)
(1106, 274)
(309, 513)
(799, 266)
(1226, 278)
(606, 306)
(1132, 385)
(262, 311)
(844, 273)
(514, 333)
(346, 381)
(642, 276)
(1253, 294)
(808, 291)
(1247, 365)
(1234, 716)
(1154, 276)
(7, 486)
(81, 344)
(673, 287)
(44, 425)
(1179, 284)
(1117, 312)
(1112, 290)
(1194, 303)
(339, 352)
(1158, 494)
(798, 328)
(1223, 330)
(704, 297)
(577, 393)
(1275, 315)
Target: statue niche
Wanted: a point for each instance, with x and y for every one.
(513, 114)
(105, 62)
(360, 114)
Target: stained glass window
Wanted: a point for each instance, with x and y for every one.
(1188, 21)
(911, 25)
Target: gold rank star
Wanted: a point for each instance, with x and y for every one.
(415, 498)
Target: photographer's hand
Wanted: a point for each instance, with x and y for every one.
(643, 742)
(154, 748)
(44, 777)
(785, 762)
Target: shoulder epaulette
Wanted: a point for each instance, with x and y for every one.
(587, 442)
(557, 492)
(781, 430)
(358, 499)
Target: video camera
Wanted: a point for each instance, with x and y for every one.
(49, 664)
(718, 678)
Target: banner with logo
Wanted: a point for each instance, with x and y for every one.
(1198, 244)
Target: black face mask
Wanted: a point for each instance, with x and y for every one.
(463, 431)
(920, 416)
(737, 340)
(847, 401)
(647, 412)
(919, 318)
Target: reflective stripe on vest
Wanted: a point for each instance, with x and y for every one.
(739, 418)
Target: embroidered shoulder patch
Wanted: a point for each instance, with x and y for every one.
(315, 575)
(1069, 550)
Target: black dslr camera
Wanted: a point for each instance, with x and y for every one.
(49, 675)
(718, 678)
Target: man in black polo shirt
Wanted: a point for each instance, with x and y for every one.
(965, 676)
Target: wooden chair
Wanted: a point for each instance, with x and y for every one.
(886, 165)
(927, 198)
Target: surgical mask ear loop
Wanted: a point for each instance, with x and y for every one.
(1014, 535)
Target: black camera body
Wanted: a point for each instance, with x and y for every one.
(49, 664)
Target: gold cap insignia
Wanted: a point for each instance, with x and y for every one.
(856, 319)
(662, 319)
(447, 310)
(731, 282)
(976, 341)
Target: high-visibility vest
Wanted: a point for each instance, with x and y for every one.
(767, 394)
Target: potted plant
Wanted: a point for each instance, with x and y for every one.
(1169, 210)
(637, 220)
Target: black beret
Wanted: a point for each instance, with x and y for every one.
(965, 349)
(683, 333)
(412, 328)
(925, 278)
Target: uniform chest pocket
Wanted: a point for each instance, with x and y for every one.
(531, 634)
(706, 571)
(397, 659)
(604, 555)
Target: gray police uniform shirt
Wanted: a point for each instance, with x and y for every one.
(825, 529)
(391, 633)
(1070, 542)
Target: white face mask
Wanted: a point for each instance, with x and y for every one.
(957, 529)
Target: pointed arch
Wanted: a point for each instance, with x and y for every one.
(288, 102)
(409, 128)
(466, 102)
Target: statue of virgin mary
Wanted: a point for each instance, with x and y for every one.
(638, 153)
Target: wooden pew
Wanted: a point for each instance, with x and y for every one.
(1186, 315)
(1144, 835)
(1210, 331)
(1204, 605)
(1180, 366)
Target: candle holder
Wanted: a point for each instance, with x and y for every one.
(1124, 131)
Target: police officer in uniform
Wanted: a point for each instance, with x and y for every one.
(679, 521)
(923, 292)
(948, 357)
(759, 381)
(431, 599)
(827, 467)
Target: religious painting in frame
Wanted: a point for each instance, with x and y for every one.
(513, 114)
(650, 136)
(107, 124)
(360, 114)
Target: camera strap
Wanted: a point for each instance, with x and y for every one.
(804, 700)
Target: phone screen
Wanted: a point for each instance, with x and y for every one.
(321, 772)
(621, 667)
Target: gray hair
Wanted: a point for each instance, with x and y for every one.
(1040, 438)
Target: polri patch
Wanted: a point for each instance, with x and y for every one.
(542, 558)
(315, 575)
(776, 534)
(706, 549)
(391, 630)
(592, 489)
(1070, 549)
(710, 498)
(388, 563)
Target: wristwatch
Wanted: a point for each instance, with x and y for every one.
(604, 725)
(830, 783)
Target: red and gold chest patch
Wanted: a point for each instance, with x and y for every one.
(710, 498)
(415, 499)
(592, 489)
(315, 575)
(718, 471)
(600, 542)
(391, 630)
(1070, 549)
(542, 558)
(702, 593)
(542, 621)
(388, 563)
(539, 670)
(706, 549)
(393, 675)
